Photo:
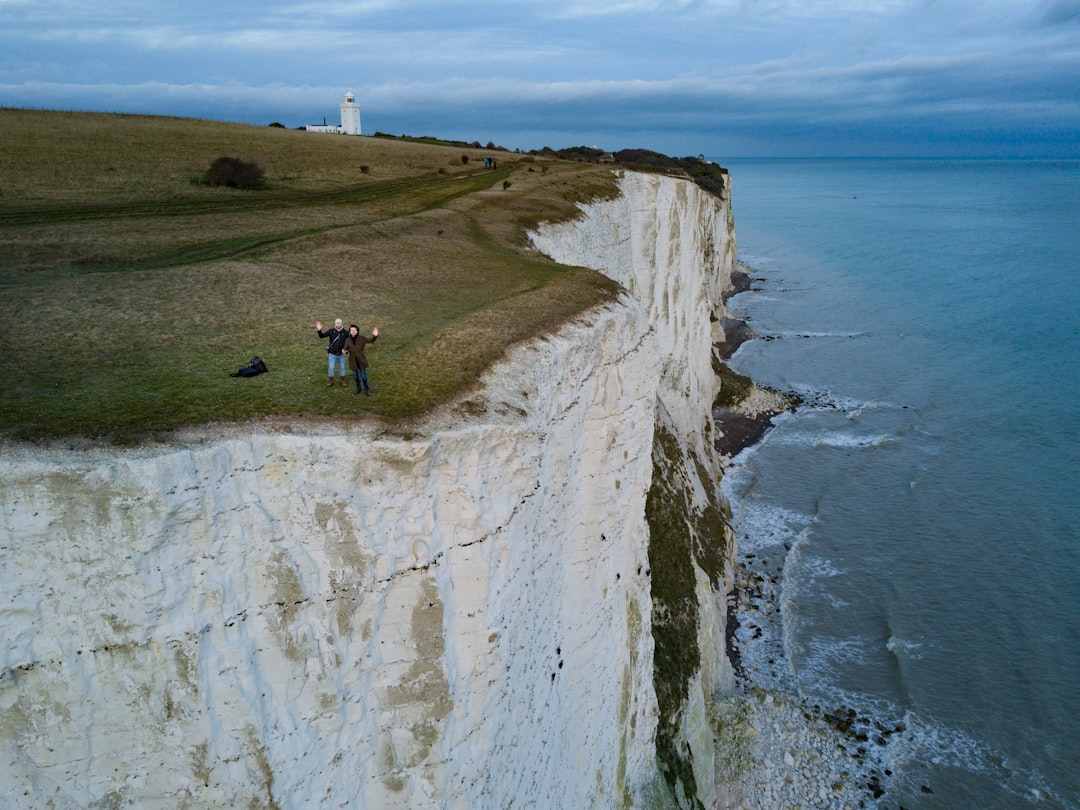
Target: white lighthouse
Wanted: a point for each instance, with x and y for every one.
(350, 119)
(350, 115)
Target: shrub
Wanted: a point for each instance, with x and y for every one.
(365, 169)
(464, 159)
(234, 172)
(277, 124)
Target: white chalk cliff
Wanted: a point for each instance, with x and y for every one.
(464, 617)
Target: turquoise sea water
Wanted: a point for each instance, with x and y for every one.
(920, 513)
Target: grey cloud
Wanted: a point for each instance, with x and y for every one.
(666, 71)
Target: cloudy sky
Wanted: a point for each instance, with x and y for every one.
(731, 78)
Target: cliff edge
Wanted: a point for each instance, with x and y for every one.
(521, 602)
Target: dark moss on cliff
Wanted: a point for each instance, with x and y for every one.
(675, 612)
(681, 534)
(734, 387)
(707, 174)
(711, 530)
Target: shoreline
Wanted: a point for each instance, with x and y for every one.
(786, 752)
(742, 421)
(799, 754)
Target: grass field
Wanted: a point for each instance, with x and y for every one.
(130, 290)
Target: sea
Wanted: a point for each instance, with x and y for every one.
(915, 521)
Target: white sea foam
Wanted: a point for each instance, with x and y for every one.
(845, 404)
(832, 438)
(818, 568)
(754, 263)
(926, 740)
(835, 602)
(855, 414)
(815, 399)
(905, 648)
(844, 440)
(819, 656)
(761, 526)
(796, 439)
(809, 335)
(789, 589)
(871, 405)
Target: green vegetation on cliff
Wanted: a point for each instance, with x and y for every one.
(705, 173)
(132, 288)
(684, 535)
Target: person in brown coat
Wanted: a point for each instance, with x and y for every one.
(354, 347)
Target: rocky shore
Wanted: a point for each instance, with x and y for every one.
(778, 752)
(792, 759)
(744, 410)
(786, 753)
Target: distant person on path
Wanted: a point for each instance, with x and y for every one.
(354, 345)
(335, 351)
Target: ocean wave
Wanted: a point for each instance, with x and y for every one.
(837, 439)
(927, 740)
(859, 410)
(905, 648)
(762, 526)
(815, 399)
(775, 286)
(845, 440)
(817, 658)
(903, 741)
(762, 262)
(808, 335)
(797, 438)
(812, 567)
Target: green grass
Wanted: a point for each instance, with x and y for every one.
(130, 292)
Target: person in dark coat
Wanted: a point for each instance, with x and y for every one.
(335, 350)
(354, 347)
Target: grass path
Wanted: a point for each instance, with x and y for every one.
(252, 201)
(129, 295)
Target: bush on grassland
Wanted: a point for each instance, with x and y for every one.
(234, 172)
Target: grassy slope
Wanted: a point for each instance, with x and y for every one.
(130, 291)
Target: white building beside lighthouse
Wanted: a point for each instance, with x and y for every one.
(350, 119)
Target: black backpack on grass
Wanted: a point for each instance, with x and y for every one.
(254, 367)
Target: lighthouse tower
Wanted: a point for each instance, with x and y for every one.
(350, 115)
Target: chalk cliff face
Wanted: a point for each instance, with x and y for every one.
(672, 246)
(467, 616)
